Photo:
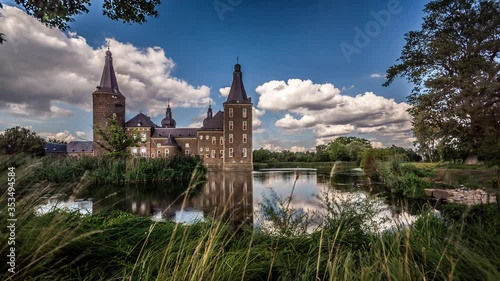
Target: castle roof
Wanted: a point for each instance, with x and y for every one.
(79, 146)
(214, 123)
(140, 120)
(108, 78)
(51, 148)
(171, 141)
(175, 132)
(237, 94)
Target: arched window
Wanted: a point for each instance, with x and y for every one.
(167, 151)
(244, 113)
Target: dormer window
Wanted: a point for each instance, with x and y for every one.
(139, 124)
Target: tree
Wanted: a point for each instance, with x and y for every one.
(454, 64)
(338, 148)
(21, 140)
(116, 139)
(52, 140)
(57, 13)
(2, 36)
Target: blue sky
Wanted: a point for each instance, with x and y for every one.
(197, 43)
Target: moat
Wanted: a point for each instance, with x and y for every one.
(237, 196)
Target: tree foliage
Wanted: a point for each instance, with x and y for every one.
(454, 64)
(21, 140)
(115, 139)
(58, 13)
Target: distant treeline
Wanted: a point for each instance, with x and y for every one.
(340, 149)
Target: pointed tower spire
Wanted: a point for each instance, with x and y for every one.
(209, 111)
(237, 94)
(168, 121)
(108, 79)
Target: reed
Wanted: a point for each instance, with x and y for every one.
(119, 246)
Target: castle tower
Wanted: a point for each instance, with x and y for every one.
(238, 126)
(168, 121)
(108, 103)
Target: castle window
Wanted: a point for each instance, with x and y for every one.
(207, 149)
(158, 144)
(221, 154)
(201, 137)
(207, 137)
(244, 138)
(230, 138)
(187, 151)
(207, 156)
(167, 152)
(244, 152)
(244, 125)
(213, 154)
(186, 145)
(201, 149)
(114, 116)
(152, 155)
(221, 140)
(158, 153)
(231, 112)
(134, 150)
(214, 140)
(230, 125)
(143, 152)
(230, 153)
(244, 113)
(139, 124)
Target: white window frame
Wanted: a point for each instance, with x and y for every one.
(212, 153)
(143, 152)
(214, 140)
(244, 152)
(187, 151)
(245, 125)
(231, 125)
(244, 113)
(152, 155)
(230, 153)
(231, 138)
(158, 153)
(231, 112)
(221, 154)
(221, 140)
(245, 138)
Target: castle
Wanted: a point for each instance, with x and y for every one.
(224, 142)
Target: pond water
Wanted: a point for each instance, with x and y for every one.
(237, 196)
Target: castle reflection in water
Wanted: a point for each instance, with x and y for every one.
(223, 195)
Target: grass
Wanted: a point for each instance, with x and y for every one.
(115, 245)
(106, 170)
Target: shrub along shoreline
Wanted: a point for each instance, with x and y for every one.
(105, 169)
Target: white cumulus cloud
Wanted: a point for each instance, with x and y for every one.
(43, 66)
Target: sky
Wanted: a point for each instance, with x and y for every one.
(313, 68)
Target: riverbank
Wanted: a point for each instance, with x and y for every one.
(104, 169)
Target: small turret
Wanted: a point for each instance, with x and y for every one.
(168, 121)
